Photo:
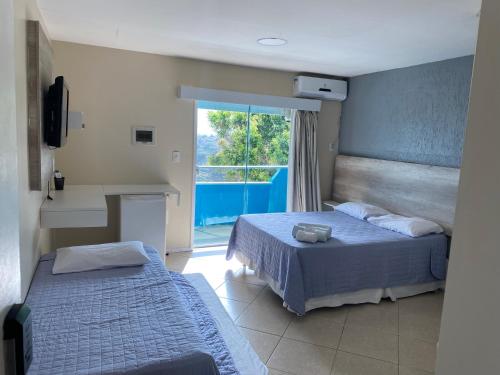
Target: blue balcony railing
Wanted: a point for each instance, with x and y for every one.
(222, 201)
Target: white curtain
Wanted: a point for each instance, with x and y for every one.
(304, 189)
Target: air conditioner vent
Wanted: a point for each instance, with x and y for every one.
(319, 88)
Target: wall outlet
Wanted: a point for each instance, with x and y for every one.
(332, 146)
(176, 156)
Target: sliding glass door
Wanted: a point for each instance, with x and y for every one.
(241, 166)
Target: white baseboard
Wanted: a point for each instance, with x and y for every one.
(179, 250)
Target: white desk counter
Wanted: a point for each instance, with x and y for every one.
(142, 190)
(74, 207)
(79, 206)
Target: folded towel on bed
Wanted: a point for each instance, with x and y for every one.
(322, 227)
(305, 236)
(323, 232)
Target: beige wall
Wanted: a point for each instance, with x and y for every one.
(32, 239)
(119, 89)
(470, 330)
(328, 131)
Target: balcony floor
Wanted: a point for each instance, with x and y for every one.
(212, 235)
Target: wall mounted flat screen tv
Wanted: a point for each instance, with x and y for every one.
(56, 114)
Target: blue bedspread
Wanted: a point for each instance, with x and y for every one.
(359, 256)
(206, 324)
(132, 320)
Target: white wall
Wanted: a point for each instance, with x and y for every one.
(470, 331)
(10, 281)
(32, 239)
(119, 89)
(20, 237)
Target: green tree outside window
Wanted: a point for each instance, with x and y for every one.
(269, 142)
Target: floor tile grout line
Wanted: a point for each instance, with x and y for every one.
(288, 325)
(369, 328)
(239, 282)
(325, 347)
(302, 341)
(274, 349)
(246, 308)
(269, 333)
(397, 338)
(397, 341)
(332, 367)
(336, 349)
(340, 340)
(224, 280)
(234, 300)
(245, 283)
(282, 336)
(284, 372)
(241, 313)
(258, 330)
(367, 356)
(410, 337)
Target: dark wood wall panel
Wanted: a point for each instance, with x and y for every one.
(39, 78)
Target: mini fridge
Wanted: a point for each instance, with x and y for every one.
(144, 218)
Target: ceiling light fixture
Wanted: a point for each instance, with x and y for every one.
(271, 41)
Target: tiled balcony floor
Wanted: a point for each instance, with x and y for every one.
(212, 235)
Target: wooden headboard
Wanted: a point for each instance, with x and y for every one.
(403, 188)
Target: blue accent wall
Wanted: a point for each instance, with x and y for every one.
(416, 114)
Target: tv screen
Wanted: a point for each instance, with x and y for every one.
(56, 114)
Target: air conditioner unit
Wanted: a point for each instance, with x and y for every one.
(320, 88)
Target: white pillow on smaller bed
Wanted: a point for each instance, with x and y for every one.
(361, 210)
(99, 257)
(410, 226)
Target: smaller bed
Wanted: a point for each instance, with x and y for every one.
(132, 320)
(244, 357)
(361, 263)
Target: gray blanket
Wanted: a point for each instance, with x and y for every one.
(359, 256)
(132, 320)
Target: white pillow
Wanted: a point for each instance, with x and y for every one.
(410, 226)
(99, 257)
(361, 210)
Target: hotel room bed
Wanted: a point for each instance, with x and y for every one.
(131, 320)
(361, 263)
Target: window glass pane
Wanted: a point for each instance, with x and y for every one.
(267, 178)
(241, 166)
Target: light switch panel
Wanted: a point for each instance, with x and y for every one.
(176, 156)
(145, 135)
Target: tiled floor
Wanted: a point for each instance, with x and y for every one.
(384, 339)
(211, 235)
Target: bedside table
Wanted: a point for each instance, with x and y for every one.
(329, 205)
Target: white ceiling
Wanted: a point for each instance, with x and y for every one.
(340, 37)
